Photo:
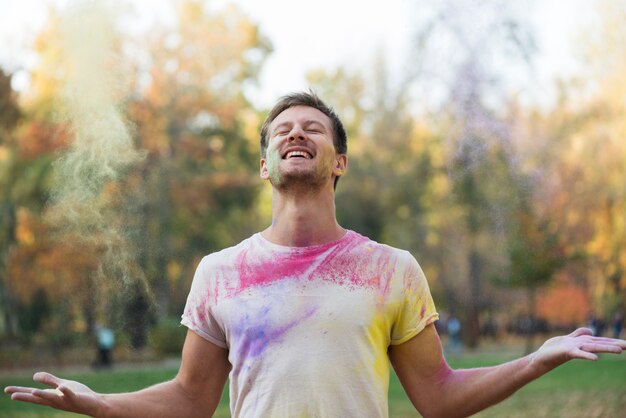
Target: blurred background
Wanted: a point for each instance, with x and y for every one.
(487, 138)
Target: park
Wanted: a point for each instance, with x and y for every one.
(129, 150)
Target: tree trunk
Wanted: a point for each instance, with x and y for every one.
(7, 303)
(138, 315)
(90, 303)
(532, 306)
(475, 300)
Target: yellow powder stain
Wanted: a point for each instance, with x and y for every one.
(378, 335)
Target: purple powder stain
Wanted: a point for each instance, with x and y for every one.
(256, 334)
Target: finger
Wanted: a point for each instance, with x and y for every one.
(51, 395)
(17, 389)
(621, 344)
(581, 331)
(65, 391)
(612, 341)
(581, 354)
(47, 379)
(601, 348)
(29, 397)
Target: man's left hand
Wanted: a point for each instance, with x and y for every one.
(580, 344)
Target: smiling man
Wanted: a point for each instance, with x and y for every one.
(316, 122)
(306, 317)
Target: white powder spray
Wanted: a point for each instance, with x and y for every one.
(88, 194)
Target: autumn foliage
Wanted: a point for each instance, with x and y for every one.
(511, 210)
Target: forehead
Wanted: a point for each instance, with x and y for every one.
(301, 114)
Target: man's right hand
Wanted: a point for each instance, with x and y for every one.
(194, 392)
(66, 395)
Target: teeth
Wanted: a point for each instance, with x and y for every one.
(298, 154)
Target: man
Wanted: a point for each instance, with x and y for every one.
(306, 317)
(106, 341)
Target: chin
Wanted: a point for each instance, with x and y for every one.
(301, 180)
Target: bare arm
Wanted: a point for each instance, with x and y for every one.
(194, 392)
(436, 390)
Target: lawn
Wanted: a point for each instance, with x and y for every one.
(577, 389)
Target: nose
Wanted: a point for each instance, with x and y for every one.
(296, 133)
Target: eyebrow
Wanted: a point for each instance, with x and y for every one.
(314, 122)
(305, 124)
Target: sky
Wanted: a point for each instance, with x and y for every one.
(325, 34)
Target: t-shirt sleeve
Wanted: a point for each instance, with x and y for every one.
(198, 315)
(417, 309)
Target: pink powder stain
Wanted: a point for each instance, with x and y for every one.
(254, 273)
(197, 315)
(423, 311)
(345, 263)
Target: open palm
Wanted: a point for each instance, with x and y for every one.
(67, 395)
(580, 344)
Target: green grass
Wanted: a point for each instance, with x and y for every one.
(577, 389)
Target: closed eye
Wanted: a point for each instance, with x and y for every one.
(313, 131)
(313, 127)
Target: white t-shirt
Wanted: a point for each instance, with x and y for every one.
(308, 328)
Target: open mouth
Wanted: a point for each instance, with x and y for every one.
(297, 154)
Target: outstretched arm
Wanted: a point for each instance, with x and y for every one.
(194, 392)
(436, 390)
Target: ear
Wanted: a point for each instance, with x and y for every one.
(341, 165)
(263, 169)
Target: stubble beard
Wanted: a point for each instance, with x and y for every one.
(301, 182)
(298, 181)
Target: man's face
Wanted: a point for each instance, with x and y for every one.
(300, 151)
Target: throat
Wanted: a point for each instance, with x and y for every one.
(303, 222)
(302, 236)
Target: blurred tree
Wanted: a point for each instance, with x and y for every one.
(40, 262)
(584, 156)
(602, 157)
(33, 314)
(200, 177)
(535, 255)
(192, 194)
(25, 162)
(10, 114)
(564, 304)
(476, 136)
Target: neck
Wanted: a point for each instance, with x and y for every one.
(303, 219)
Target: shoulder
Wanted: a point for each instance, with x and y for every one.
(218, 266)
(401, 256)
(226, 256)
(402, 260)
